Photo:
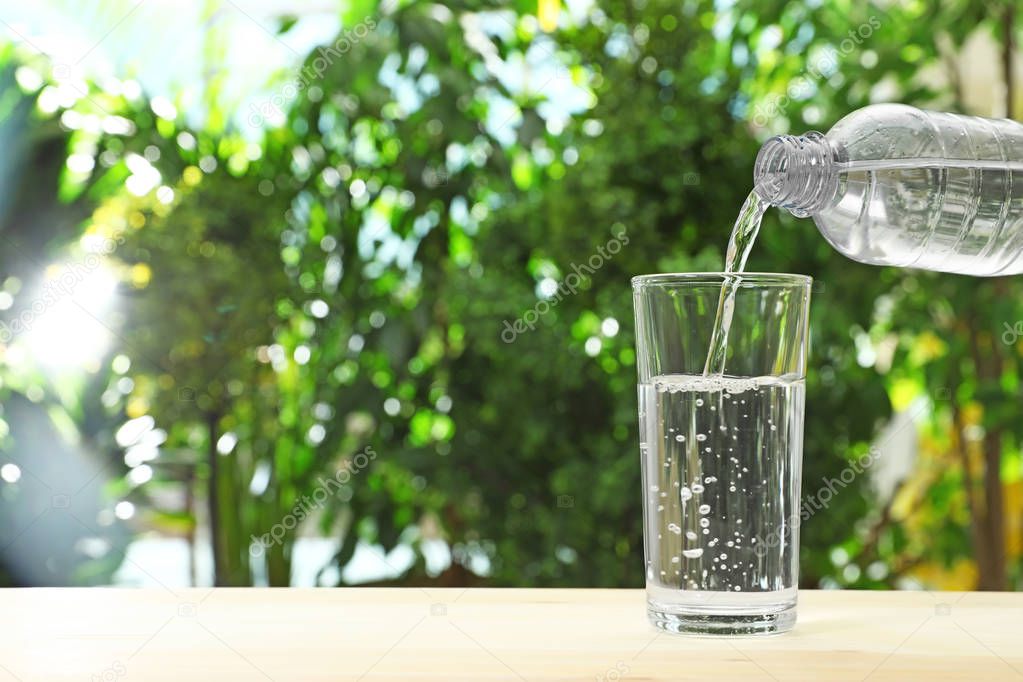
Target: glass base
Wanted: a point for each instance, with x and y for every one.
(724, 624)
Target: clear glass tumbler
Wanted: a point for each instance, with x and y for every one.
(721, 448)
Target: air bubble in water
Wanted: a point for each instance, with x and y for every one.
(674, 528)
(701, 437)
(690, 535)
(699, 402)
(704, 523)
(680, 438)
(697, 488)
(692, 553)
(685, 493)
(704, 508)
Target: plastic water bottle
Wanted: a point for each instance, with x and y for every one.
(893, 185)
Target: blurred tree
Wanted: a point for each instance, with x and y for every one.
(355, 280)
(930, 340)
(54, 430)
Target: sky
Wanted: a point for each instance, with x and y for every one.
(165, 44)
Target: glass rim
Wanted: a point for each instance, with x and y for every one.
(757, 279)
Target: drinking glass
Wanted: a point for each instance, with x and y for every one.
(721, 448)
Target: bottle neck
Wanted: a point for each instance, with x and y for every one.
(799, 174)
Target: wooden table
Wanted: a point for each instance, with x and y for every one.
(490, 634)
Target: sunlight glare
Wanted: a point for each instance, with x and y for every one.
(66, 330)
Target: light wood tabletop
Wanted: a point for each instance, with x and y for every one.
(490, 634)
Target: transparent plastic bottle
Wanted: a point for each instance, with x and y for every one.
(894, 185)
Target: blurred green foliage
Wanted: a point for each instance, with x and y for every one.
(346, 281)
